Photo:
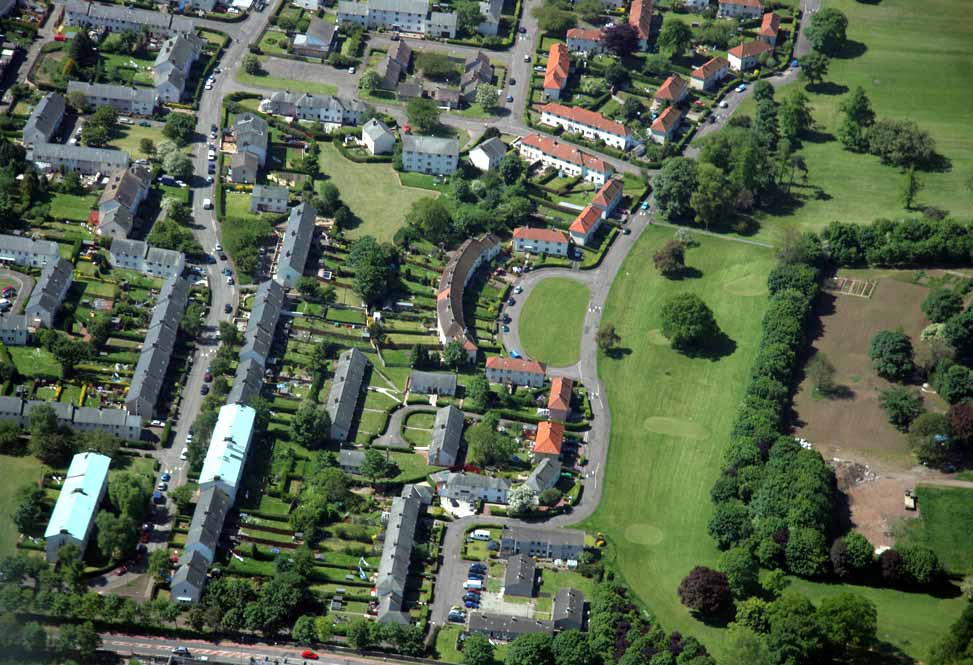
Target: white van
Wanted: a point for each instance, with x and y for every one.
(207, 204)
(480, 534)
(473, 584)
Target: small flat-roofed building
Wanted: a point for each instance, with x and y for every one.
(432, 383)
(228, 448)
(518, 579)
(346, 387)
(74, 511)
(447, 433)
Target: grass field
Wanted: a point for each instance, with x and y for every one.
(15, 472)
(941, 510)
(71, 207)
(128, 138)
(285, 84)
(372, 192)
(914, 66)
(551, 322)
(34, 362)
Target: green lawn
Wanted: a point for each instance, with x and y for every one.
(128, 138)
(915, 67)
(941, 509)
(372, 192)
(238, 206)
(34, 362)
(72, 207)
(285, 84)
(15, 472)
(551, 322)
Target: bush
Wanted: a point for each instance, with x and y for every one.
(942, 304)
(902, 405)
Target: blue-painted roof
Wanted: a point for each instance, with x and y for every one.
(78, 502)
(229, 444)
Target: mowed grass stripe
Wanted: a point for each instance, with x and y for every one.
(552, 320)
(671, 416)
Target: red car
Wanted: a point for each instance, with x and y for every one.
(207, 377)
(310, 655)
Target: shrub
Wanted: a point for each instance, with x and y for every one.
(942, 304)
(891, 354)
(902, 405)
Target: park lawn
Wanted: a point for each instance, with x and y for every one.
(914, 67)
(941, 510)
(72, 207)
(372, 192)
(552, 319)
(34, 362)
(128, 138)
(285, 84)
(15, 472)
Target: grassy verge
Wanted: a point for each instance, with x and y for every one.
(550, 325)
(15, 472)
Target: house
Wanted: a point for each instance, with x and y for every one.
(49, 292)
(228, 448)
(589, 124)
(586, 40)
(742, 9)
(173, 64)
(609, 196)
(709, 73)
(401, 53)
(116, 18)
(268, 198)
(672, 91)
(518, 579)
(542, 542)
(248, 382)
(44, 119)
(305, 106)
(52, 157)
(450, 320)
(447, 431)
(515, 371)
(345, 390)
(207, 523)
(548, 441)
(745, 57)
(74, 512)
(189, 579)
(121, 199)
(441, 24)
(506, 627)
(258, 338)
(536, 240)
(351, 11)
(26, 251)
(389, 71)
(477, 70)
(665, 126)
(568, 611)
(13, 330)
(557, 71)
(564, 158)
(491, 11)
(432, 383)
(116, 422)
(559, 399)
(140, 256)
(544, 476)
(696, 6)
(585, 225)
(423, 492)
(244, 168)
(640, 18)
(252, 136)
(447, 98)
(429, 154)
(488, 155)
(470, 487)
(769, 29)
(401, 15)
(411, 88)
(377, 138)
(350, 461)
(393, 568)
(294, 249)
(318, 41)
(130, 99)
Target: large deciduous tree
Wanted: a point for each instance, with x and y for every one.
(705, 591)
(687, 321)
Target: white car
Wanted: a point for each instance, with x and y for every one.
(207, 204)
(351, 70)
(184, 455)
(211, 155)
(218, 247)
(723, 104)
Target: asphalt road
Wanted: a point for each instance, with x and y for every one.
(24, 285)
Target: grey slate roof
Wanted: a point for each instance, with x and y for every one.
(259, 336)
(208, 519)
(116, 220)
(13, 322)
(87, 415)
(127, 187)
(568, 609)
(494, 148)
(350, 459)
(270, 192)
(345, 389)
(393, 568)
(400, 6)
(505, 624)
(250, 129)
(46, 116)
(476, 70)
(389, 71)
(444, 383)
(544, 475)
(424, 493)
(297, 238)
(554, 537)
(49, 292)
(518, 579)
(178, 52)
(401, 52)
(141, 16)
(353, 8)
(26, 245)
(247, 383)
(447, 431)
(463, 485)
(192, 572)
(320, 32)
(128, 93)
(44, 152)
(376, 129)
(63, 410)
(429, 145)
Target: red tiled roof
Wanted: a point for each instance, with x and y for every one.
(710, 67)
(534, 233)
(750, 49)
(586, 220)
(558, 67)
(586, 117)
(672, 89)
(515, 364)
(582, 33)
(565, 152)
(549, 439)
(560, 397)
(667, 120)
(611, 190)
(745, 3)
(640, 17)
(770, 25)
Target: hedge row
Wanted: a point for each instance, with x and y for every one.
(903, 242)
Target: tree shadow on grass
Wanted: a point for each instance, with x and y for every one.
(617, 353)
(828, 88)
(815, 136)
(716, 348)
(852, 49)
(686, 272)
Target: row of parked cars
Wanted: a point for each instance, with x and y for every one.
(472, 588)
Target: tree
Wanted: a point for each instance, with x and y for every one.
(431, 220)
(554, 20)
(960, 418)
(477, 650)
(674, 187)
(129, 494)
(423, 115)
(159, 565)
(435, 65)
(370, 80)
(70, 352)
(901, 143)
(550, 497)
(911, 186)
(454, 355)
(29, 512)
(891, 354)
(77, 100)
(590, 10)
(827, 31)
(806, 552)
(632, 108)
(116, 534)
(147, 146)
(520, 499)
(901, 405)
(375, 267)
(821, 372)
(468, 17)
(742, 571)
(713, 197)
(687, 321)
(571, 647)
(33, 637)
(849, 622)
(477, 393)
(857, 117)
(251, 65)
(485, 445)
(814, 67)
(488, 97)
(670, 260)
(746, 646)
(48, 442)
(959, 332)
(620, 38)
(930, 441)
(530, 649)
(607, 338)
(511, 168)
(958, 642)
(705, 591)
(941, 305)
(178, 165)
(304, 630)
(794, 116)
(730, 523)
(921, 564)
(11, 441)
(310, 426)
(374, 465)
(675, 37)
(180, 128)
(794, 634)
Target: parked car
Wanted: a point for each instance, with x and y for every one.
(645, 205)
(514, 354)
(184, 454)
(144, 123)
(510, 98)
(505, 328)
(217, 247)
(162, 487)
(204, 390)
(518, 289)
(741, 87)
(166, 477)
(470, 604)
(511, 302)
(310, 655)
(228, 308)
(180, 651)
